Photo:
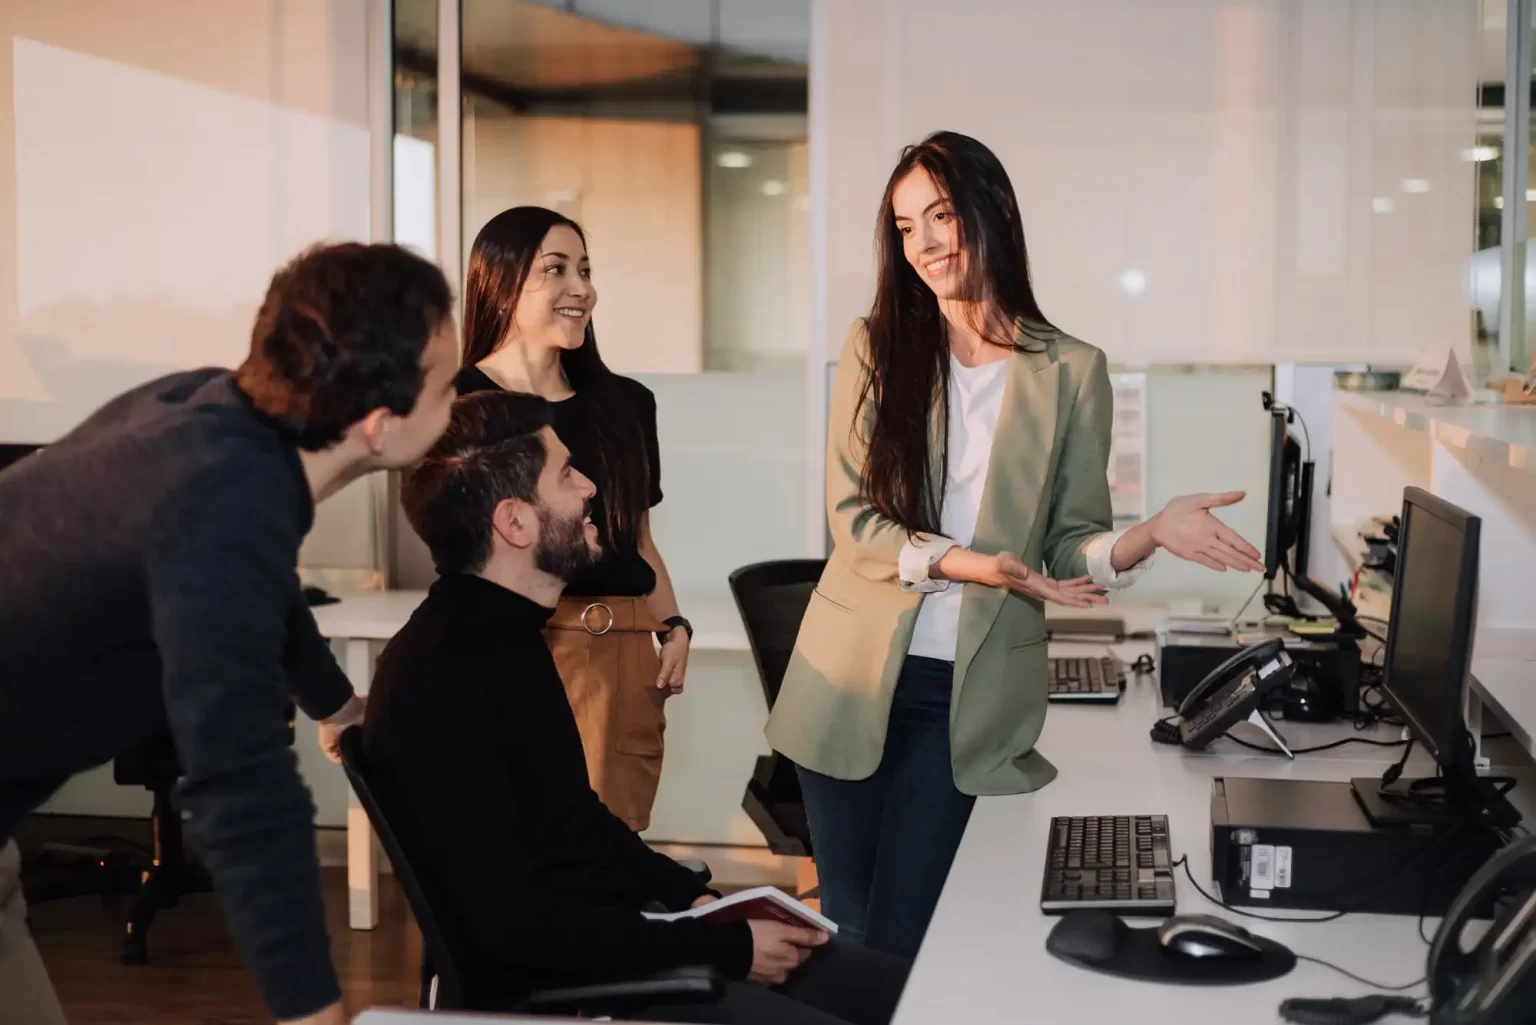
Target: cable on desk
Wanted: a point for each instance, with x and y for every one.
(1363, 981)
(1319, 747)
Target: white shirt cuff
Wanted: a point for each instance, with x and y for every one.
(1098, 552)
(918, 556)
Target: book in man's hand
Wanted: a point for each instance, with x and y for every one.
(760, 902)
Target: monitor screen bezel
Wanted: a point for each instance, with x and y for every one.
(1274, 527)
(1447, 750)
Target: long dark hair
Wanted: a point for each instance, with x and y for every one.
(499, 263)
(908, 349)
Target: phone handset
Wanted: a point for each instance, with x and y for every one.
(1232, 693)
(1254, 655)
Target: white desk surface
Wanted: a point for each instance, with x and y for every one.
(984, 958)
(378, 615)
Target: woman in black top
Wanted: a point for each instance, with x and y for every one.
(528, 327)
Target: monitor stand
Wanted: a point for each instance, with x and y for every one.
(1397, 807)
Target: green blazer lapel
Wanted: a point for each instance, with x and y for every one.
(1016, 482)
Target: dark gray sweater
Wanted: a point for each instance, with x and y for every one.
(147, 577)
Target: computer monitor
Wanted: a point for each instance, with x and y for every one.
(1428, 660)
(1290, 500)
(1287, 527)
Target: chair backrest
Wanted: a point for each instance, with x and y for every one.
(772, 598)
(439, 948)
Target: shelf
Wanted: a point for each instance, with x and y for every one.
(1351, 546)
(1508, 687)
(1499, 433)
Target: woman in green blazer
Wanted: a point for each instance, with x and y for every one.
(919, 677)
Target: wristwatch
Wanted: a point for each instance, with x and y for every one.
(674, 622)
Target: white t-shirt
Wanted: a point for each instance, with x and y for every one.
(975, 400)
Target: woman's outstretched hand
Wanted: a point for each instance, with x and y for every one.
(1187, 528)
(1078, 593)
(1005, 569)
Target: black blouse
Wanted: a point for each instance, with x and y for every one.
(622, 571)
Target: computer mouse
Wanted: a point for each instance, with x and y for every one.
(1086, 936)
(1207, 937)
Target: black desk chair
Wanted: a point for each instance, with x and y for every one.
(772, 598)
(156, 878)
(445, 952)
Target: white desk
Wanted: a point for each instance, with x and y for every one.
(984, 958)
(358, 620)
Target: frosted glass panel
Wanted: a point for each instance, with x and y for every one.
(1201, 181)
(155, 179)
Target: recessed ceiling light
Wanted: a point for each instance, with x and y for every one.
(1415, 186)
(1133, 282)
(774, 187)
(1382, 205)
(733, 158)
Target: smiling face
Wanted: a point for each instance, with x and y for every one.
(556, 303)
(930, 236)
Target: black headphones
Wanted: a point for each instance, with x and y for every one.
(1494, 983)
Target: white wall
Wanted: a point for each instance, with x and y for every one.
(1235, 156)
(159, 177)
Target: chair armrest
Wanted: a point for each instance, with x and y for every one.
(688, 984)
(698, 868)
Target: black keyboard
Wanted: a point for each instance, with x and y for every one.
(1114, 862)
(1085, 679)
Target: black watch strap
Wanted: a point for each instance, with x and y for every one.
(673, 623)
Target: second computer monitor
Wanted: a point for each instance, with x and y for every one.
(1434, 609)
(1290, 500)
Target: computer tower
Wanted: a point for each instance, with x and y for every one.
(1308, 845)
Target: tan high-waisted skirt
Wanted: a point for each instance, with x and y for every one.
(605, 649)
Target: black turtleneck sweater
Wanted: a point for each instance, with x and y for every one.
(469, 733)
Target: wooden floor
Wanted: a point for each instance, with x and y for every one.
(195, 974)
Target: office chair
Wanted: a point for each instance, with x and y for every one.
(445, 952)
(772, 598)
(156, 878)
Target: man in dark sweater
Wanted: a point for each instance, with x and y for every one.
(147, 563)
(469, 730)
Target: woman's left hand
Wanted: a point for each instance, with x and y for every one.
(674, 661)
(1187, 528)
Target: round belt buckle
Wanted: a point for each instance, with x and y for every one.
(588, 626)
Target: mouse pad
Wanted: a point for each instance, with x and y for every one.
(1135, 954)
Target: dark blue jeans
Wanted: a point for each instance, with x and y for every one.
(883, 845)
